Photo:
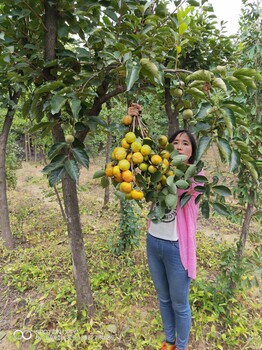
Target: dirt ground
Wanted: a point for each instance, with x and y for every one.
(30, 181)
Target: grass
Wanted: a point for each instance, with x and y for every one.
(39, 296)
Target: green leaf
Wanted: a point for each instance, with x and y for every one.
(42, 126)
(147, 5)
(200, 75)
(56, 175)
(49, 87)
(148, 141)
(156, 213)
(111, 14)
(178, 49)
(228, 122)
(36, 105)
(93, 121)
(200, 189)
(236, 84)
(56, 162)
(234, 161)
(251, 169)
(170, 180)
(156, 177)
(200, 179)
(193, 2)
(57, 102)
(55, 149)
(203, 145)
(222, 190)
(182, 28)
(149, 69)
(198, 198)
(26, 108)
(205, 209)
(197, 83)
(179, 173)
(140, 180)
(190, 171)
(230, 114)
(205, 107)
(235, 107)
(219, 83)
(224, 149)
(242, 146)
(105, 182)
(178, 159)
(170, 147)
(171, 200)
(78, 144)
(195, 92)
(81, 156)
(201, 126)
(249, 82)
(221, 209)
(120, 195)
(184, 199)
(72, 169)
(182, 184)
(172, 188)
(99, 173)
(132, 74)
(75, 105)
(250, 72)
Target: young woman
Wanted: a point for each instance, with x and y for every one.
(171, 253)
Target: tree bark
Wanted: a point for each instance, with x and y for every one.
(246, 224)
(4, 212)
(76, 243)
(26, 148)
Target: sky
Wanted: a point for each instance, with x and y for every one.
(228, 10)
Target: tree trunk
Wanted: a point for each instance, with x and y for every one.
(4, 212)
(26, 148)
(78, 255)
(81, 278)
(35, 151)
(246, 224)
(29, 148)
(4, 222)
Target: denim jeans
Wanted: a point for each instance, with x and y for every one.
(172, 286)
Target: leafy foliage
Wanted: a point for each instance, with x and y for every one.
(129, 230)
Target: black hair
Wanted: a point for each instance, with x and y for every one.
(192, 141)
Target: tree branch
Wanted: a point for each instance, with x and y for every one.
(169, 70)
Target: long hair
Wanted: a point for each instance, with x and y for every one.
(192, 141)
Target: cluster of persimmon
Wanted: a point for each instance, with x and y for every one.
(138, 155)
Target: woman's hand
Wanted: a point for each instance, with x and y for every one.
(134, 109)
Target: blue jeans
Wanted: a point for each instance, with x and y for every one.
(172, 286)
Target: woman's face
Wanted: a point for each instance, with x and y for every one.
(183, 145)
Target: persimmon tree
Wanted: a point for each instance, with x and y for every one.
(248, 158)
(74, 58)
